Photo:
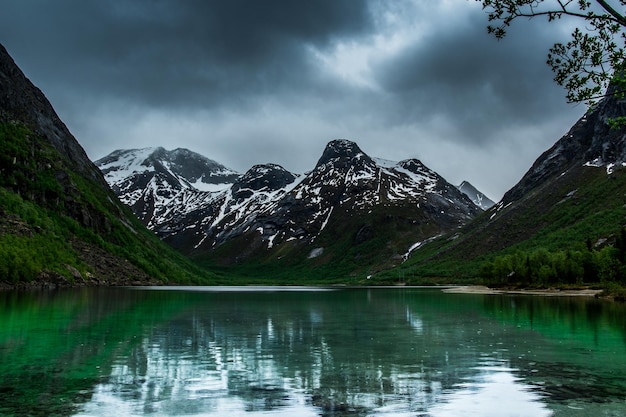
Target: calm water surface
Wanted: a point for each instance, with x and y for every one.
(304, 352)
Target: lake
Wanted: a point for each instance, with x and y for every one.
(257, 351)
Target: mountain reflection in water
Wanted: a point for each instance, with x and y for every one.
(362, 352)
(491, 392)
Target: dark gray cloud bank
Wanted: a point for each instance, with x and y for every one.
(255, 81)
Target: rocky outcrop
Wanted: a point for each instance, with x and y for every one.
(21, 101)
(593, 140)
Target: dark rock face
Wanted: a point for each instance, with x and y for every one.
(51, 170)
(606, 144)
(21, 101)
(591, 140)
(268, 177)
(342, 154)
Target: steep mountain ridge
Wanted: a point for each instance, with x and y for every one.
(572, 194)
(269, 211)
(593, 141)
(60, 223)
(21, 101)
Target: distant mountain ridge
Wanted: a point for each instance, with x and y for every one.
(476, 196)
(269, 209)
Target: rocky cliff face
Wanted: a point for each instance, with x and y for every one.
(268, 207)
(592, 141)
(21, 101)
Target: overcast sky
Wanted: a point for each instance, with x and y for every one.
(246, 82)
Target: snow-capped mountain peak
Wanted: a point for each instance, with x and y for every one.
(268, 177)
(122, 163)
(268, 206)
(149, 179)
(183, 168)
(342, 153)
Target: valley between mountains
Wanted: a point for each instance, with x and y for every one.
(351, 211)
(153, 216)
(360, 219)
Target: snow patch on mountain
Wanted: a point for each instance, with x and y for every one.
(271, 204)
(599, 163)
(122, 164)
(385, 163)
(201, 185)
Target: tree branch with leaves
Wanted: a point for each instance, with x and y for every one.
(594, 56)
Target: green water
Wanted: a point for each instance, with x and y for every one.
(306, 352)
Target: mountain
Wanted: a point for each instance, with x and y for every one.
(476, 196)
(572, 198)
(350, 209)
(148, 179)
(60, 223)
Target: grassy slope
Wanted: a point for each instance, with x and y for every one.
(349, 257)
(583, 205)
(54, 222)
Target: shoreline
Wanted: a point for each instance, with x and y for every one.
(550, 292)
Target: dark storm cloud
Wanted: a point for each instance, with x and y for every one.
(256, 81)
(170, 52)
(465, 76)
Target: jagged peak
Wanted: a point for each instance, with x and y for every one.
(183, 157)
(181, 168)
(151, 155)
(264, 169)
(125, 159)
(342, 143)
(185, 153)
(466, 185)
(342, 149)
(158, 153)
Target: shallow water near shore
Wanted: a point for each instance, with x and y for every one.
(300, 351)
